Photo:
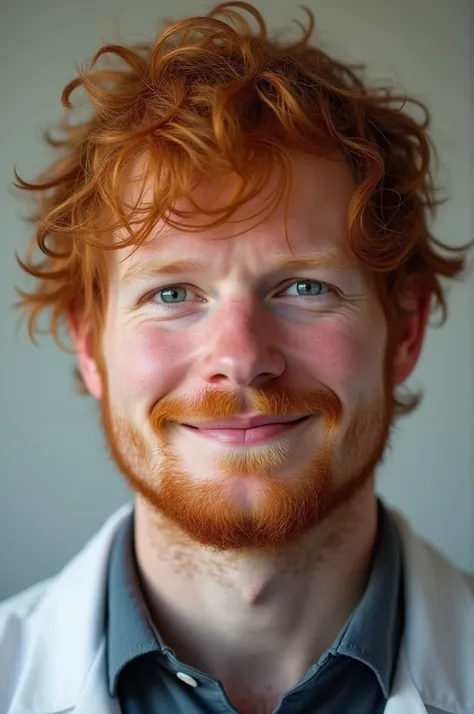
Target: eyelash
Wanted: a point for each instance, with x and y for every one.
(330, 288)
(149, 296)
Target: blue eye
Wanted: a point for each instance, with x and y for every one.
(307, 287)
(172, 294)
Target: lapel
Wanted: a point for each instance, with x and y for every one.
(94, 696)
(405, 697)
(63, 638)
(438, 643)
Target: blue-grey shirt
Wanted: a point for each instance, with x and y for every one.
(354, 675)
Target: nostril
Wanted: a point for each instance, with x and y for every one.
(218, 378)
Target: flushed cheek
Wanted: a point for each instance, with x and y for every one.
(144, 362)
(343, 357)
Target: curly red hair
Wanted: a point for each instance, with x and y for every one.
(209, 95)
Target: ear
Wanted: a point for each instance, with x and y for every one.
(415, 300)
(83, 338)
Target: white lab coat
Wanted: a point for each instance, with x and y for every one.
(52, 644)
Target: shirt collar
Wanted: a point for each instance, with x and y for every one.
(129, 632)
(373, 633)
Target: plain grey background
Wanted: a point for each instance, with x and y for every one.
(57, 484)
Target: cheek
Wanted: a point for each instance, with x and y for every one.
(143, 363)
(343, 355)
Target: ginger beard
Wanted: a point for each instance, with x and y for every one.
(268, 508)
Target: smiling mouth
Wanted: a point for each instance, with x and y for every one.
(235, 434)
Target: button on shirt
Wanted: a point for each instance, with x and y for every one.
(354, 675)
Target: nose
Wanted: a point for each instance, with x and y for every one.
(241, 350)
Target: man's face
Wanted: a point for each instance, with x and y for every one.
(245, 391)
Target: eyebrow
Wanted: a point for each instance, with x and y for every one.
(154, 268)
(334, 260)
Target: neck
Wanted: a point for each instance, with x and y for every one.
(262, 618)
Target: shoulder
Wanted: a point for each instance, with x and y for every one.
(37, 626)
(15, 615)
(439, 624)
(22, 604)
(17, 610)
(425, 561)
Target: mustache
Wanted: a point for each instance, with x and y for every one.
(212, 405)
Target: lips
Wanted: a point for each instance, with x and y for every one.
(245, 422)
(246, 430)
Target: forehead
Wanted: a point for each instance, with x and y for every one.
(313, 217)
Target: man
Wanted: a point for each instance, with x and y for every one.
(238, 240)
